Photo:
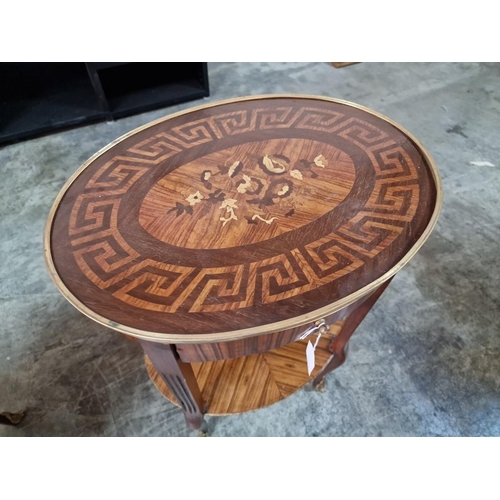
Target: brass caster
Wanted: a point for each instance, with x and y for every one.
(321, 385)
(203, 434)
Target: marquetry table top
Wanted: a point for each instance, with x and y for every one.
(241, 217)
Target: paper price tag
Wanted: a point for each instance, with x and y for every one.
(311, 362)
(310, 356)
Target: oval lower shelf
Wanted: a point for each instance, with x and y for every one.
(252, 382)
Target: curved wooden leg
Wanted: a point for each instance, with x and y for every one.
(179, 378)
(338, 346)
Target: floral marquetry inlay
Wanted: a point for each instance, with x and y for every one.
(248, 193)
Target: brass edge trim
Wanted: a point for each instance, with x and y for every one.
(303, 320)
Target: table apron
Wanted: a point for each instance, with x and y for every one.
(193, 353)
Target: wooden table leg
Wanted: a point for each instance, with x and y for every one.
(338, 345)
(179, 378)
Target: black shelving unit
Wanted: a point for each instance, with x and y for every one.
(36, 98)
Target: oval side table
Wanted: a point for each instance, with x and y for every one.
(226, 237)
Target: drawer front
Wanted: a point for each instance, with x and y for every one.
(237, 348)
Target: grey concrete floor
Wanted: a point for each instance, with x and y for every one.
(426, 360)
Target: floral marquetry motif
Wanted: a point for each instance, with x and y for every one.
(247, 194)
(240, 215)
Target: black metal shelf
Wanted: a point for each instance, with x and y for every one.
(137, 87)
(37, 98)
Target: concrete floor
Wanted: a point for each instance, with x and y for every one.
(426, 360)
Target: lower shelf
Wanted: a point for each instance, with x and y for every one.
(244, 384)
